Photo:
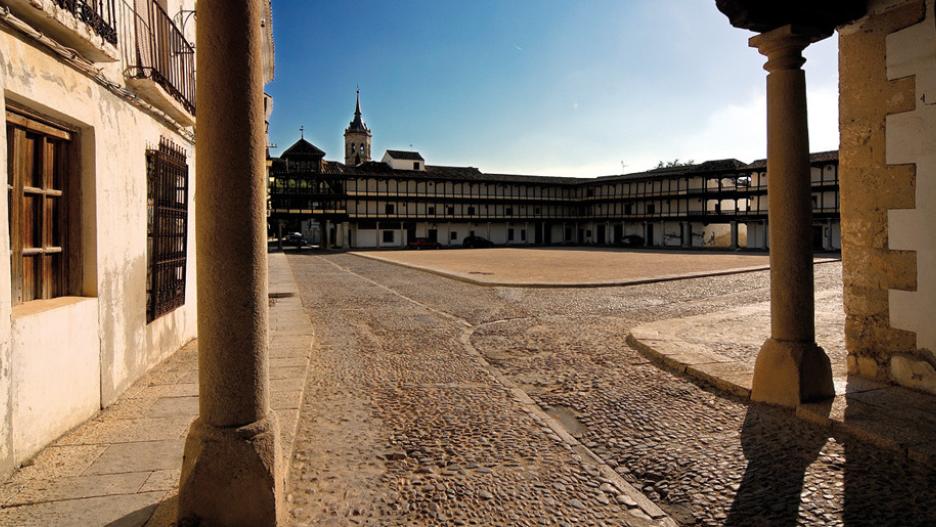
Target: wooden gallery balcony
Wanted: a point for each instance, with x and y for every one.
(159, 60)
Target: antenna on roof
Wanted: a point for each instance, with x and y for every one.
(301, 131)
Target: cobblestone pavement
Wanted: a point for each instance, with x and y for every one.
(401, 426)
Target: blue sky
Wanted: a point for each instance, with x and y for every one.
(552, 87)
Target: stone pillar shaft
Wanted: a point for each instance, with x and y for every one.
(230, 472)
(231, 246)
(734, 234)
(790, 368)
(788, 186)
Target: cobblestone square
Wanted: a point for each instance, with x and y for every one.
(433, 401)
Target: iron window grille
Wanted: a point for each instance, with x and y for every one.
(167, 228)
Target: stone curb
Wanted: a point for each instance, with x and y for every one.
(910, 439)
(291, 339)
(640, 501)
(581, 285)
(688, 359)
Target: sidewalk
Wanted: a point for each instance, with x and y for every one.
(719, 349)
(121, 468)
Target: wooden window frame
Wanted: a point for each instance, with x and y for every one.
(59, 264)
(167, 175)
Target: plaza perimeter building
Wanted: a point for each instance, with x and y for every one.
(363, 203)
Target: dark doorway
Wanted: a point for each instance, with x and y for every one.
(410, 231)
(818, 237)
(618, 233)
(433, 235)
(650, 235)
(538, 234)
(601, 234)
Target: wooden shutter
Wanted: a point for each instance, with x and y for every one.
(37, 179)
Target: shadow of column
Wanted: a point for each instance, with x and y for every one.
(881, 487)
(777, 459)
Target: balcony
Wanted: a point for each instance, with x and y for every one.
(87, 26)
(160, 61)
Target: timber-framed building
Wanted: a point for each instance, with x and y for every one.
(363, 203)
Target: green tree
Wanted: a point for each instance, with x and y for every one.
(675, 163)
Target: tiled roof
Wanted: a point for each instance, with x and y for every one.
(303, 148)
(718, 165)
(377, 168)
(818, 157)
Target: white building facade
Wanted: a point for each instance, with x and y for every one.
(392, 203)
(98, 282)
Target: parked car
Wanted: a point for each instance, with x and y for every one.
(295, 239)
(476, 242)
(631, 240)
(423, 243)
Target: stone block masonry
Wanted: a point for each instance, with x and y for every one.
(911, 140)
(880, 265)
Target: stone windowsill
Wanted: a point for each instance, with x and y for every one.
(37, 307)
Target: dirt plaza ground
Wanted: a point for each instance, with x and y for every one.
(565, 266)
(425, 393)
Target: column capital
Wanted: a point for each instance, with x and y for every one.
(783, 46)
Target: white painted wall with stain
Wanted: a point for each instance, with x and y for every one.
(62, 362)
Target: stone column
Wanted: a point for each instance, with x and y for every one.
(279, 235)
(734, 235)
(686, 229)
(231, 472)
(791, 368)
(766, 227)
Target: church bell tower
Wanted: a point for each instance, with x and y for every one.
(357, 138)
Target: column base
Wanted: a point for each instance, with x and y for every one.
(231, 477)
(788, 373)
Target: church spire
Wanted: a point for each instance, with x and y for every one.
(357, 104)
(357, 125)
(357, 137)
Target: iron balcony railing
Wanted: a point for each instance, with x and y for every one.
(100, 15)
(155, 48)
